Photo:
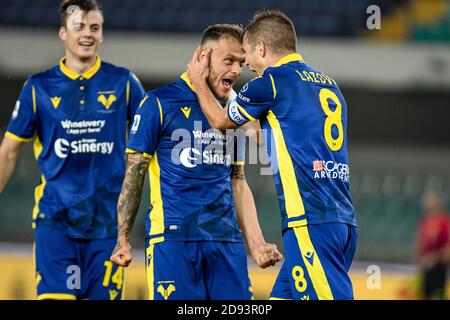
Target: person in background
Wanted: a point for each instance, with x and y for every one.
(77, 113)
(433, 246)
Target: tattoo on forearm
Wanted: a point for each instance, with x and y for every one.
(237, 172)
(130, 196)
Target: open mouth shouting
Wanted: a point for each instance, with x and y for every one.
(227, 83)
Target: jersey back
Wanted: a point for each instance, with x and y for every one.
(305, 119)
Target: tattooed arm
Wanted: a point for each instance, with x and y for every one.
(128, 206)
(264, 254)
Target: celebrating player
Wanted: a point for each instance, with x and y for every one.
(77, 115)
(194, 248)
(305, 116)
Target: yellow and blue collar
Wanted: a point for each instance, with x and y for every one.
(188, 81)
(74, 76)
(289, 58)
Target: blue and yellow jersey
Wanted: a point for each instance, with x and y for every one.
(190, 167)
(79, 127)
(305, 117)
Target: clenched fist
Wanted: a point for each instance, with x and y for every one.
(121, 255)
(266, 255)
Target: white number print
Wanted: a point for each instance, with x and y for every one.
(16, 110)
(136, 122)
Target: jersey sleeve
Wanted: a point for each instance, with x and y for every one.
(147, 126)
(135, 95)
(22, 125)
(255, 98)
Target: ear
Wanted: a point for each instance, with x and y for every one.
(101, 38)
(262, 49)
(204, 51)
(62, 33)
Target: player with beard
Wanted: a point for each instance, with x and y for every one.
(199, 195)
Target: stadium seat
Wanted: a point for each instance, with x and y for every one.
(311, 17)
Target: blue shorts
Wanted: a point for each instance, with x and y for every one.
(197, 270)
(75, 269)
(317, 261)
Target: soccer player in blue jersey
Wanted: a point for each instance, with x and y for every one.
(305, 118)
(77, 113)
(194, 246)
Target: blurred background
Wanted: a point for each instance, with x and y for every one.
(396, 81)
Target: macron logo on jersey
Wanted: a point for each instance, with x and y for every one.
(64, 147)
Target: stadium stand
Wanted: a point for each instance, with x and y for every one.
(318, 18)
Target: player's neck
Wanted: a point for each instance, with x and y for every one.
(79, 66)
(222, 102)
(271, 60)
(274, 59)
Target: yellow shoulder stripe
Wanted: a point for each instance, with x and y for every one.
(33, 92)
(160, 110)
(273, 86)
(128, 93)
(143, 101)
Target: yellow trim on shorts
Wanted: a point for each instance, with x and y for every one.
(56, 296)
(315, 271)
(149, 269)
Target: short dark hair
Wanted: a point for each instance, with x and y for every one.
(68, 6)
(273, 28)
(219, 31)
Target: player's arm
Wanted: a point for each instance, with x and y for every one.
(128, 205)
(253, 130)
(198, 71)
(135, 94)
(144, 136)
(264, 254)
(9, 152)
(21, 129)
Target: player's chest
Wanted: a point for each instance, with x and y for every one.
(81, 99)
(188, 126)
